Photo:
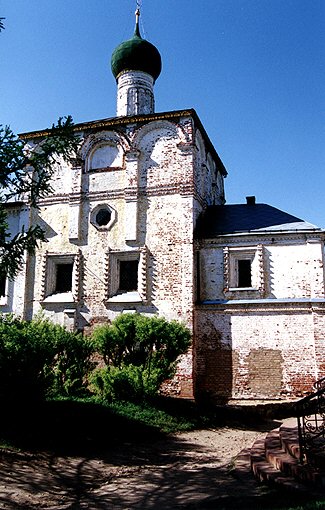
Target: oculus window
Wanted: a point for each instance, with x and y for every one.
(103, 217)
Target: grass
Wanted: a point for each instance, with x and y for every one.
(154, 417)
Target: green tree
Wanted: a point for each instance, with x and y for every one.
(25, 174)
(140, 353)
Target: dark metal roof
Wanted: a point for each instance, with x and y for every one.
(136, 54)
(219, 220)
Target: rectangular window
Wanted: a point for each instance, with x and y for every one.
(63, 280)
(244, 272)
(128, 275)
(60, 277)
(3, 285)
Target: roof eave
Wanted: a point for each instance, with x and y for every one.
(112, 122)
(264, 232)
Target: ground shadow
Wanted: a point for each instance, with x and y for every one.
(82, 455)
(68, 427)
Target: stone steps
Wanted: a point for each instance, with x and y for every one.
(274, 460)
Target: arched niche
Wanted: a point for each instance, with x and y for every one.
(104, 151)
(105, 155)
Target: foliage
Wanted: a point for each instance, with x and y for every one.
(125, 383)
(313, 505)
(39, 358)
(71, 364)
(140, 353)
(25, 174)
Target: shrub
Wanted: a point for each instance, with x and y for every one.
(71, 364)
(140, 352)
(38, 358)
(114, 383)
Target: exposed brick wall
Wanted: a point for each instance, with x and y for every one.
(255, 354)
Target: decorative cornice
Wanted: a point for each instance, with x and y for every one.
(179, 189)
(264, 306)
(138, 119)
(115, 121)
(268, 238)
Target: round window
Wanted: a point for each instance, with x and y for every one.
(103, 217)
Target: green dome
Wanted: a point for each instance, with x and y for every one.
(136, 54)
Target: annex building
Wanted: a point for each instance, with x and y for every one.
(139, 222)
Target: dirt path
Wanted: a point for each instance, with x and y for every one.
(188, 470)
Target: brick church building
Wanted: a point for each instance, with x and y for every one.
(139, 222)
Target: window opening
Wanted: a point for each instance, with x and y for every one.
(2, 285)
(244, 273)
(128, 275)
(63, 281)
(103, 217)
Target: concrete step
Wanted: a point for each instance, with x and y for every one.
(290, 465)
(290, 440)
(272, 464)
(290, 443)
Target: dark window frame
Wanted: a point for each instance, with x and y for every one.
(3, 285)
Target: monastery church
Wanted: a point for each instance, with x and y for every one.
(139, 223)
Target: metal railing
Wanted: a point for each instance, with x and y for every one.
(311, 422)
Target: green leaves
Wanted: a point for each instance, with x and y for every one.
(39, 358)
(25, 174)
(136, 344)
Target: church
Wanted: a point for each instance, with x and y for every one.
(139, 223)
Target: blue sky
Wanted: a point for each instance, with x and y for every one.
(252, 69)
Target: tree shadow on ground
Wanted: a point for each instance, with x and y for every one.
(69, 427)
(79, 427)
(82, 455)
(151, 475)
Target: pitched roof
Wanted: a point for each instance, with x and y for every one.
(219, 220)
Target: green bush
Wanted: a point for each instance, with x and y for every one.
(114, 383)
(38, 358)
(140, 352)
